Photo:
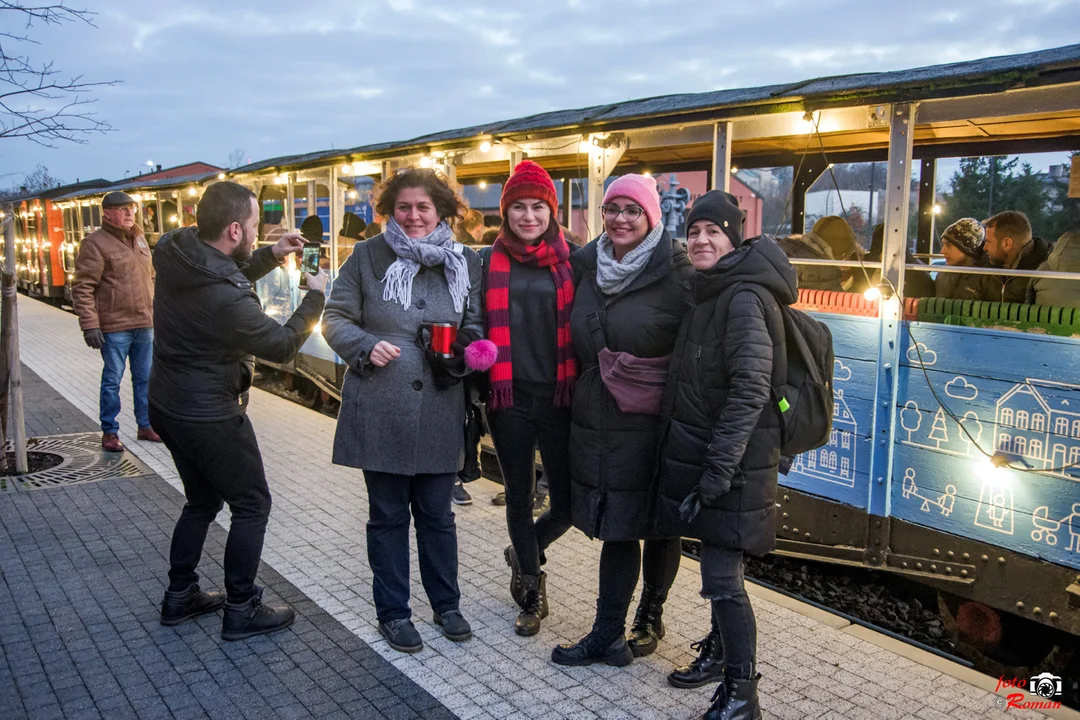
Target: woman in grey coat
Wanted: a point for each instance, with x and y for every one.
(402, 418)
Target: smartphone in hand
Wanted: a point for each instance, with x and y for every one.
(309, 262)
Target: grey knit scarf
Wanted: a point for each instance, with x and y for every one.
(612, 276)
(433, 250)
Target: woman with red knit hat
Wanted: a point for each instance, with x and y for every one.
(631, 292)
(529, 291)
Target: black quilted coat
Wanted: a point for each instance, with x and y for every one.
(613, 455)
(720, 401)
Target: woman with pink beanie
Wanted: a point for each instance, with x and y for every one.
(631, 292)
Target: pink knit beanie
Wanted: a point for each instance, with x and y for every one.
(642, 190)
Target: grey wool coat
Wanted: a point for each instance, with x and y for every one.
(393, 419)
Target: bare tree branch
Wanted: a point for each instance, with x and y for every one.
(37, 102)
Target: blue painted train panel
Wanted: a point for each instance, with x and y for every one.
(1011, 395)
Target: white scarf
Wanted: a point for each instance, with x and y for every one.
(432, 250)
(613, 276)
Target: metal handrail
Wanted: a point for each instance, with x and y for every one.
(959, 269)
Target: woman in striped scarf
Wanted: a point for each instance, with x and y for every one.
(529, 293)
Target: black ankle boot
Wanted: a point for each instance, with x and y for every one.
(516, 590)
(535, 607)
(247, 619)
(648, 627)
(736, 699)
(708, 667)
(182, 605)
(604, 643)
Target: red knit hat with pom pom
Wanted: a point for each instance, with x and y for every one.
(529, 180)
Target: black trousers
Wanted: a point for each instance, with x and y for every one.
(516, 431)
(218, 462)
(722, 582)
(390, 497)
(620, 563)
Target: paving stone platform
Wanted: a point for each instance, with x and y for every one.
(84, 568)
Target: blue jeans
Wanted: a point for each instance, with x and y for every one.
(390, 498)
(137, 344)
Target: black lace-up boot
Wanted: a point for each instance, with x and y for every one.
(735, 699)
(182, 605)
(648, 627)
(247, 619)
(535, 606)
(605, 642)
(707, 668)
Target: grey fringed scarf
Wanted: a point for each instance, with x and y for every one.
(613, 276)
(433, 250)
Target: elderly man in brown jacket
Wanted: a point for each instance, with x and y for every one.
(113, 294)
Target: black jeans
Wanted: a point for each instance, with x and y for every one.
(389, 498)
(474, 431)
(620, 562)
(722, 583)
(516, 432)
(218, 462)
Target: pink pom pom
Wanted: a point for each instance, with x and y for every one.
(481, 355)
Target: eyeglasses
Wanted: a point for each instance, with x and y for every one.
(632, 213)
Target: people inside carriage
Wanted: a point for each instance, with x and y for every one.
(402, 405)
(837, 234)
(962, 246)
(917, 284)
(1064, 258)
(812, 246)
(631, 292)
(721, 450)
(1010, 245)
(529, 291)
(352, 232)
(470, 229)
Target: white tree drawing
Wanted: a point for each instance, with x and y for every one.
(910, 418)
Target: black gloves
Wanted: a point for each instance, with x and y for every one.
(94, 338)
(448, 372)
(712, 487)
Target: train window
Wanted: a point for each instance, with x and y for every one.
(1036, 184)
(95, 216)
(302, 206)
(859, 194)
(772, 186)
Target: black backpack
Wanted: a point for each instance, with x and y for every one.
(803, 385)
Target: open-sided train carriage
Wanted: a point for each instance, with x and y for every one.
(926, 391)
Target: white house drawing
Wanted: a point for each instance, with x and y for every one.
(835, 461)
(1039, 420)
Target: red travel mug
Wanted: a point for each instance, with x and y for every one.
(443, 335)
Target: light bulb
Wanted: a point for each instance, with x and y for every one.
(221, 176)
(482, 184)
(425, 162)
(872, 294)
(192, 192)
(937, 209)
(346, 169)
(485, 146)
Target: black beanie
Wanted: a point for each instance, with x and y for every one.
(352, 226)
(721, 208)
(312, 229)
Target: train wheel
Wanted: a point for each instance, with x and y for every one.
(998, 642)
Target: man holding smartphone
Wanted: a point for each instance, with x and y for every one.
(209, 323)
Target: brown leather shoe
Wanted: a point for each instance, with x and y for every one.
(110, 442)
(148, 434)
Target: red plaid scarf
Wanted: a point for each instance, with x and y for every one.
(552, 252)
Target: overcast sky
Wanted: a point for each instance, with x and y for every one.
(200, 78)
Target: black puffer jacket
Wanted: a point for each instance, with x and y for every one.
(720, 403)
(612, 453)
(208, 322)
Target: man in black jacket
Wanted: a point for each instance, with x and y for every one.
(209, 324)
(1009, 245)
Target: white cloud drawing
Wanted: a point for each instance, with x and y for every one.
(929, 357)
(961, 389)
(841, 372)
